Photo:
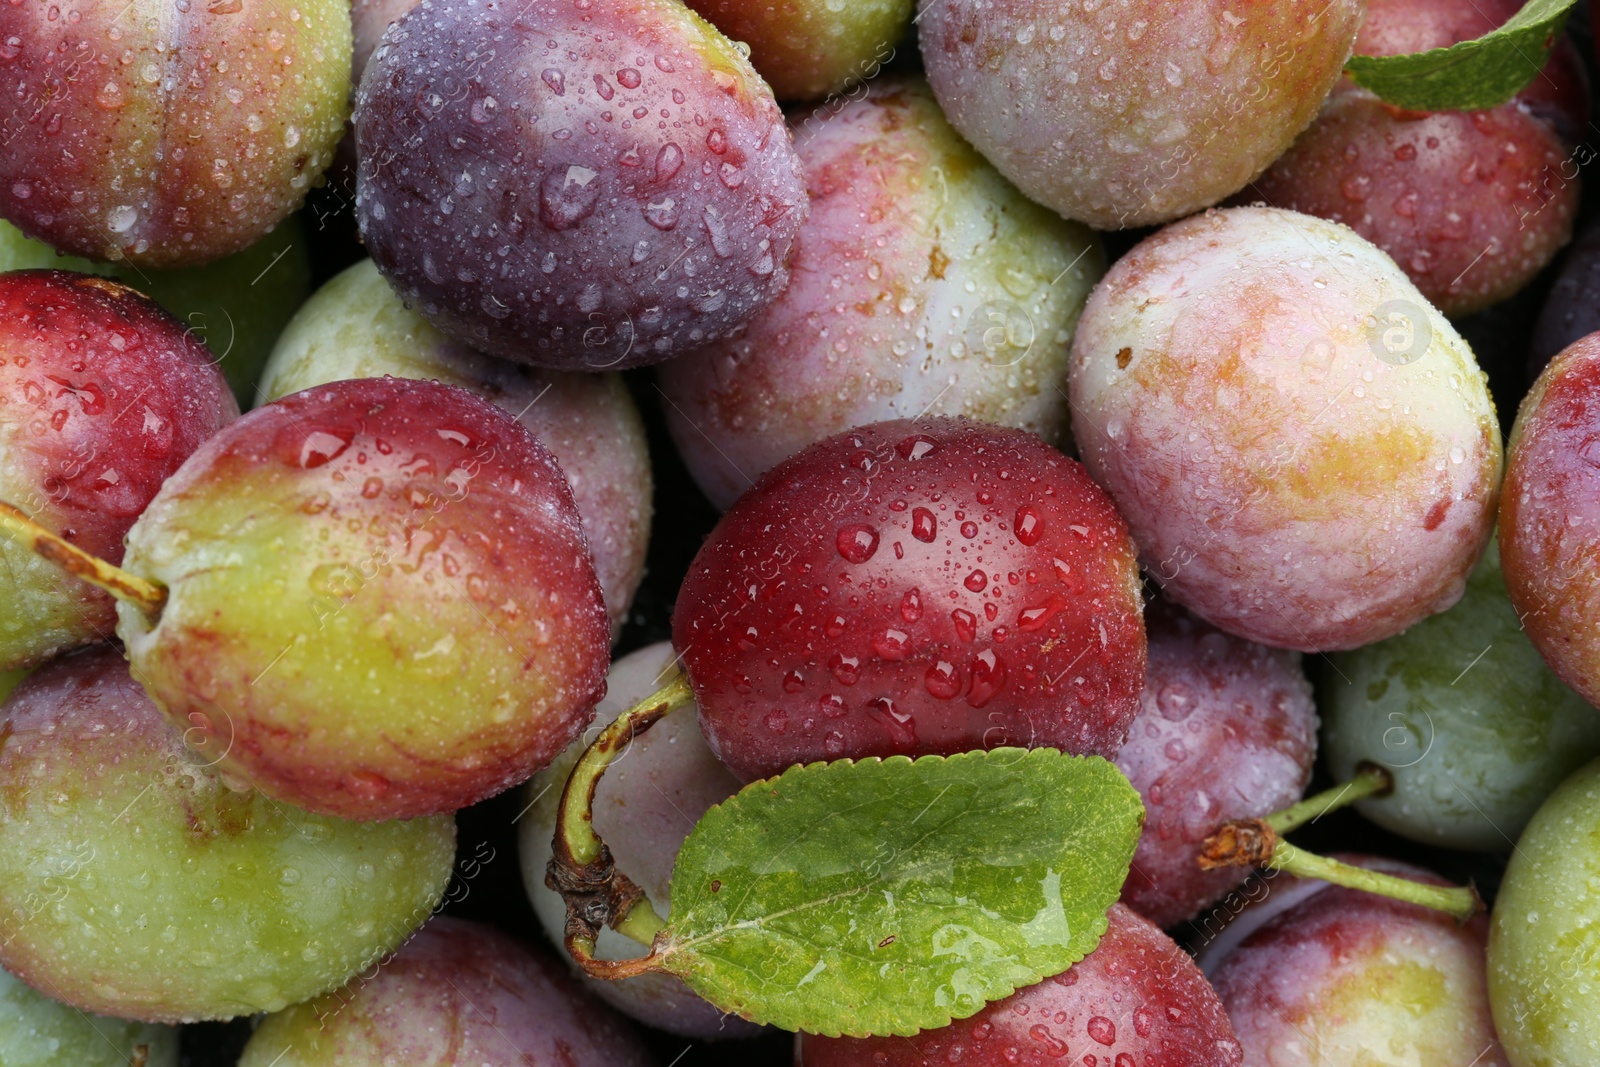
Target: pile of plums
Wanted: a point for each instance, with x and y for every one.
(1112, 376)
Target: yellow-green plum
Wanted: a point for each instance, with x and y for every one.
(1461, 710)
(1322, 976)
(356, 327)
(39, 1031)
(807, 49)
(923, 283)
(237, 305)
(1544, 937)
(103, 395)
(1133, 112)
(1304, 449)
(459, 994)
(167, 134)
(136, 881)
(645, 806)
(379, 603)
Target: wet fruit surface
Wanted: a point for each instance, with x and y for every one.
(920, 586)
(135, 881)
(167, 134)
(102, 396)
(807, 49)
(572, 185)
(1137, 1000)
(426, 628)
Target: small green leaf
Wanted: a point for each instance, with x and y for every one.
(891, 896)
(1471, 75)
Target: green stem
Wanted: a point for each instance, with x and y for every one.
(1370, 780)
(16, 526)
(581, 868)
(1462, 902)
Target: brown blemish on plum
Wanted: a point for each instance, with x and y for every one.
(1124, 357)
(938, 263)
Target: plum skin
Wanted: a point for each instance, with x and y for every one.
(457, 995)
(102, 396)
(561, 199)
(356, 327)
(1133, 113)
(425, 625)
(809, 49)
(1472, 205)
(205, 131)
(644, 808)
(1137, 998)
(1464, 714)
(1549, 519)
(39, 1031)
(1226, 729)
(1332, 974)
(1347, 472)
(919, 586)
(923, 282)
(135, 882)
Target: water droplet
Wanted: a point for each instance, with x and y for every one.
(1175, 701)
(552, 77)
(121, 219)
(662, 214)
(664, 65)
(567, 197)
(1102, 1030)
(969, 529)
(977, 581)
(917, 446)
(717, 230)
(717, 142)
(924, 527)
(847, 669)
(1029, 526)
(793, 682)
(988, 677)
(856, 542)
(892, 644)
(731, 175)
(319, 447)
(628, 78)
(668, 161)
(911, 605)
(943, 680)
(966, 624)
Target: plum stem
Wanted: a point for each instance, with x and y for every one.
(18, 527)
(581, 868)
(1460, 901)
(1370, 781)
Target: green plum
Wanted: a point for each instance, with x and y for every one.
(1544, 936)
(238, 305)
(36, 1031)
(136, 881)
(9, 680)
(809, 49)
(356, 326)
(1464, 713)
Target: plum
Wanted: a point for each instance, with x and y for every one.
(167, 135)
(1572, 309)
(1473, 727)
(134, 881)
(459, 994)
(1342, 978)
(574, 185)
(356, 327)
(1305, 451)
(1471, 205)
(237, 305)
(1544, 937)
(379, 602)
(38, 1031)
(1550, 518)
(941, 585)
(1226, 730)
(1136, 999)
(923, 282)
(1134, 112)
(646, 804)
(809, 49)
(102, 396)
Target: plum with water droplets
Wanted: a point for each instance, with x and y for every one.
(1314, 975)
(1471, 205)
(1305, 450)
(1137, 1000)
(1550, 516)
(809, 49)
(379, 600)
(356, 327)
(1133, 112)
(102, 396)
(1572, 309)
(645, 806)
(459, 994)
(924, 283)
(38, 1031)
(167, 134)
(573, 185)
(920, 586)
(1226, 730)
(135, 881)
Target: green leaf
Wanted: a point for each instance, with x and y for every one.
(891, 896)
(1470, 75)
